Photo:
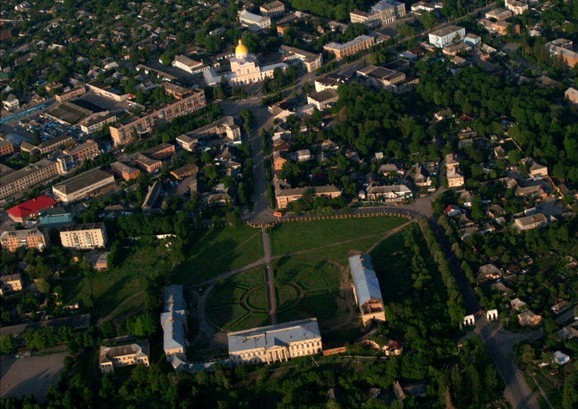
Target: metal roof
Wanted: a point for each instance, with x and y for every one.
(364, 278)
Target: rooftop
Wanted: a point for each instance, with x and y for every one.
(364, 279)
(31, 206)
(82, 181)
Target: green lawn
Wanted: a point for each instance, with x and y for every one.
(339, 235)
(219, 250)
(238, 301)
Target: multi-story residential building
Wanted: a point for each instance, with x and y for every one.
(571, 95)
(73, 93)
(383, 12)
(17, 182)
(254, 21)
(562, 48)
(124, 134)
(136, 353)
(186, 64)
(84, 236)
(30, 208)
(174, 323)
(11, 283)
(275, 343)
(517, 7)
(366, 289)
(124, 171)
(84, 151)
(272, 9)
(6, 148)
(30, 239)
(83, 185)
(95, 124)
(445, 36)
(286, 196)
(311, 61)
(342, 50)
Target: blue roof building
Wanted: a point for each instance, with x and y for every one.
(366, 289)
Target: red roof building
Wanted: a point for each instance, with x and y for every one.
(31, 207)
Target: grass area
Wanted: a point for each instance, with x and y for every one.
(219, 250)
(239, 301)
(317, 283)
(103, 292)
(358, 234)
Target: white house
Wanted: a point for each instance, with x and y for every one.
(255, 21)
(445, 36)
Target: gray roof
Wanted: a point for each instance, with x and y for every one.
(82, 181)
(364, 278)
(274, 335)
(173, 318)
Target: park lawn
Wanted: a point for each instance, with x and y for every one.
(103, 292)
(289, 238)
(219, 250)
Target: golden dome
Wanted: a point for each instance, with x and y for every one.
(241, 51)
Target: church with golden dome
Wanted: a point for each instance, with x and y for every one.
(245, 68)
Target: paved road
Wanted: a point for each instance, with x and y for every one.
(270, 277)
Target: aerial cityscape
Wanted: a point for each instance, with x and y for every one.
(289, 204)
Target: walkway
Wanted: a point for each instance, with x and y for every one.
(270, 276)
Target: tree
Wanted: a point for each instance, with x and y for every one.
(7, 345)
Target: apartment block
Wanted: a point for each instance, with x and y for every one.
(342, 50)
(84, 151)
(275, 343)
(17, 182)
(136, 353)
(30, 239)
(84, 236)
(6, 148)
(124, 134)
(83, 185)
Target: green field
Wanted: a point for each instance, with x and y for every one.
(219, 250)
(239, 302)
(331, 239)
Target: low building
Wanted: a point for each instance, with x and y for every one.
(488, 272)
(530, 222)
(275, 343)
(323, 99)
(571, 95)
(381, 77)
(55, 216)
(136, 353)
(11, 103)
(495, 27)
(455, 178)
(560, 358)
(366, 289)
(11, 283)
(390, 194)
(186, 142)
(107, 91)
(190, 169)
(528, 319)
(517, 7)
(84, 151)
(147, 164)
(30, 239)
(499, 14)
(445, 36)
(254, 21)
(286, 196)
(311, 61)
(174, 322)
(124, 171)
(84, 185)
(71, 94)
(84, 236)
(272, 9)
(473, 40)
(186, 64)
(30, 208)
(97, 123)
(223, 127)
(162, 151)
(562, 49)
(342, 50)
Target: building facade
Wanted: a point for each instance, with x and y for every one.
(254, 21)
(445, 36)
(30, 239)
(272, 9)
(73, 93)
(174, 322)
(34, 174)
(118, 356)
(6, 148)
(275, 343)
(124, 171)
(286, 196)
(84, 236)
(245, 68)
(84, 151)
(342, 50)
(124, 134)
(11, 283)
(383, 12)
(311, 61)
